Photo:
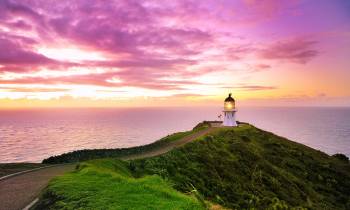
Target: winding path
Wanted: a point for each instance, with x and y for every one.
(171, 145)
(19, 191)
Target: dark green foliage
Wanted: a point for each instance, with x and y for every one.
(341, 157)
(89, 154)
(247, 168)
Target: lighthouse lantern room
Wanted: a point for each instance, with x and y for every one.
(229, 112)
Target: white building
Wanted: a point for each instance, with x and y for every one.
(229, 112)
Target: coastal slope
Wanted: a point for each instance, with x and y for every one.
(109, 184)
(238, 168)
(247, 168)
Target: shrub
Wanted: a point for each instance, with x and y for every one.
(341, 157)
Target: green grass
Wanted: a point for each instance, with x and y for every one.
(239, 168)
(108, 184)
(248, 168)
(89, 154)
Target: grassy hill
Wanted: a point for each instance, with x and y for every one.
(108, 184)
(90, 154)
(248, 168)
(238, 168)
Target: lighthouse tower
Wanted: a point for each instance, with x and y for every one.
(229, 112)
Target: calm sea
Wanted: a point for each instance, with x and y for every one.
(31, 135)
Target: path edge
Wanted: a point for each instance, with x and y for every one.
(30, 170)
(31, 204)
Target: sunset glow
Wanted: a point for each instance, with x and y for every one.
(174, 53)
(70, 54)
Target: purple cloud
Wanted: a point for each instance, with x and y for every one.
(12, 53)
(298, 50)
(246, 87)
(10, 9)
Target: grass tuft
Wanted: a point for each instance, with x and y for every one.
(108, 184)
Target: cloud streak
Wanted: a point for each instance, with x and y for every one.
(298, 50)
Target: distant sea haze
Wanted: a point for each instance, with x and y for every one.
(32, 135)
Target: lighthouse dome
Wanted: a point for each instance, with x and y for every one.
(229, 104)
(229, 98)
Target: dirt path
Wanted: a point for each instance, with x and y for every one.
(171, 145)
(11, 168)
(18, 191)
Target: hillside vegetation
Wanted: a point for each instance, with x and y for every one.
(239, 168)
(248, 168)
(89, 154)
(108, 184)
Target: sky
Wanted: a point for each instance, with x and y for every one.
(134, 53)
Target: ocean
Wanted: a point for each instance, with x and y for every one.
(32, 135)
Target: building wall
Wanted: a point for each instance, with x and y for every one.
(230, 118)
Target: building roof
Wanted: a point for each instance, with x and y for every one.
(229, 98)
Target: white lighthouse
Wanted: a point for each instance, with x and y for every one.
(229, 112)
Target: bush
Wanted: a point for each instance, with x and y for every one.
(341, 157)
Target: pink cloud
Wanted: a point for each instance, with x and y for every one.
(248, 87)
(266, 8)
(239, 51)
(31, 90)
(262, 66)
(12, 53)
(298, 50)
(128, 78)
